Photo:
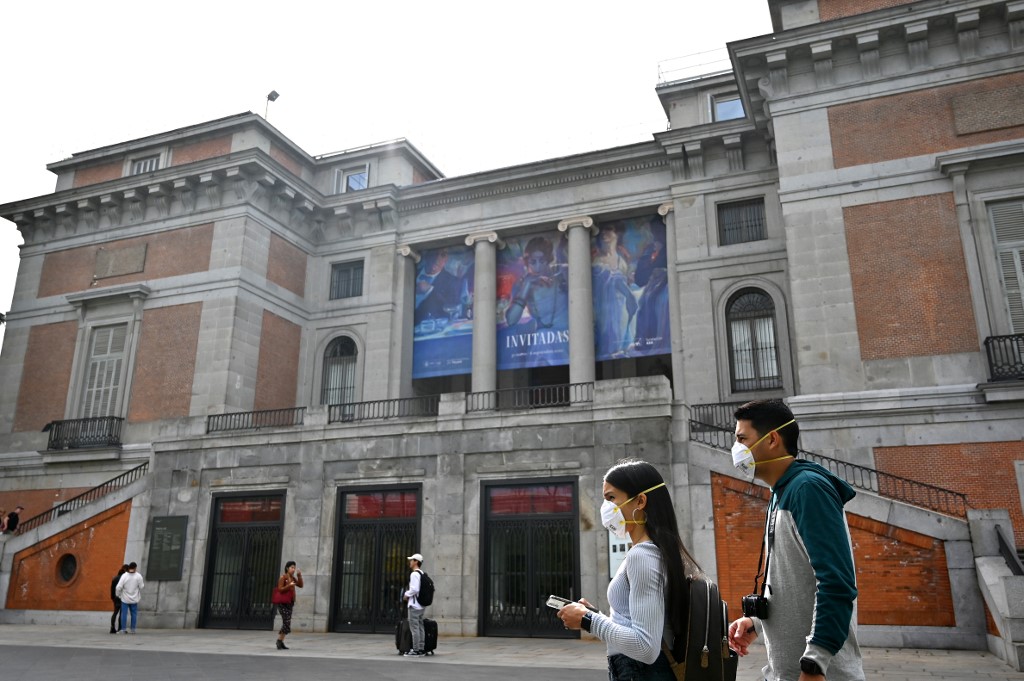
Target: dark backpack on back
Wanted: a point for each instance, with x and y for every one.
(708, 657)
(426, 594)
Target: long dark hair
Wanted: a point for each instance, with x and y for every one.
(633, 476)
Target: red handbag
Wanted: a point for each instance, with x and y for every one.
(279, 598)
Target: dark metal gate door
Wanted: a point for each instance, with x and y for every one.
(530, 552)
(244, 562)
(377, 530)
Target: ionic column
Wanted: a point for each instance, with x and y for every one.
(581, 298)
(667, 211)
(485, 322)
(400, 376)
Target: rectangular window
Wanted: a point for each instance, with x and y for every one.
(145, 165)
(1008, 223)
(740, 222)
(103, 374)
(726, 107)
(351, 180)
(347, 280)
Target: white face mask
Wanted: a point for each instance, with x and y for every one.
(743, 457)
(612, 518)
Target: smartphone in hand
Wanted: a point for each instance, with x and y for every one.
(557, 602)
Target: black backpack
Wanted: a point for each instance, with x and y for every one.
(708, 656)
(426, 594)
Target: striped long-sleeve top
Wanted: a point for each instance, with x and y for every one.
(636, 595)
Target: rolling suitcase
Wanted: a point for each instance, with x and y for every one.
(403, 636)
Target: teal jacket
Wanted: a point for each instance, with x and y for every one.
(812, 582)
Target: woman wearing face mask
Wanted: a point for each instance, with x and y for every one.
(649, 595)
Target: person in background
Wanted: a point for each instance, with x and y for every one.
(3, 519)
(129, 590)
(116, 621)
(415, 609)
(12, 520)
(809, 622)
(649, 595)
(286, 584)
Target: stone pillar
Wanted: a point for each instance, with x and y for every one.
(581, 298)
(400, 376)
(667, 211)
(957, 172)
(485, 323)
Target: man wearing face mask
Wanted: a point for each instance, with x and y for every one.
(809, 622)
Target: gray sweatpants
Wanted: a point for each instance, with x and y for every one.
(416, 628)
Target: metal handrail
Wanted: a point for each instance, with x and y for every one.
(254, 420)
(1009, 552)
(425, 405)
(85, 498)
(99, 431)
(533, 397)
(1005, 357)
(884, 484)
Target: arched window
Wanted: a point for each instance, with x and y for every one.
(753, 344)
(339, 379)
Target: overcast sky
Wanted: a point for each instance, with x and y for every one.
(473, 85)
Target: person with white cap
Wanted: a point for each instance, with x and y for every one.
(415, 609)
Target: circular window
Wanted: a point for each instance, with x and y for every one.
(67, 567)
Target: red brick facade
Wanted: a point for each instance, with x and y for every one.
(837, 9)
(97, 545)
(277, 377)
(910, 286)
(984, 471)
(286, 159)
(286, 266)
(902, 577)
(165, 363)
(46, 375)
(168, 254)
(197, 151)
(98, 173)
(36, 501)
(925, 122)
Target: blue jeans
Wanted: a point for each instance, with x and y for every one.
(126, 608)
(624, 668)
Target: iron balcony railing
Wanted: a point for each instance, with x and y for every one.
(1005, 357)
(531, 398)
(426, 405)
(85, 498)
(884, 484)
(254, 420)
(1009, 552)
(101, 431)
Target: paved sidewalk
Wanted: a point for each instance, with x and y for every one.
(880, 663)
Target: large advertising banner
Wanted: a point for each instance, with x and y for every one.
(533, 302)
(443, 318)
(630, 280)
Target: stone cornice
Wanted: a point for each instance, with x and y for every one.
(881, 46)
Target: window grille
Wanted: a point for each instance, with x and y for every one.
(339, 377)
(103, 375)
(753, 348)
(145, 165)
(347, 280)
(741, 221)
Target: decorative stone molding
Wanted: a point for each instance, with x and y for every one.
(676, 162)
(694, 159)
(236, 177)
(584, 221)
(967, 32)
(184, 190)
(406, 251)
(67, 216)
(778, 74)
(261, 185)
(385, 210)
(867, 45)
(160, 196)
(42, 222)
(284, 197)
(491, 237)
(1015, 17)
(666, 208)
(734, 151)
(110, 204)
(822, 55)
(210, 183)
(302, 209)
(917, 43)
(89, 212)
(135, 200)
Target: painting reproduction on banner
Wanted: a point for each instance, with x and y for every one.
(443, 316)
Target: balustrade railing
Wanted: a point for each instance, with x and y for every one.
(884, 484)
(254, 420)
(1005, 357)
(84, 498)
(426, 405)
(101, 431)
(531, 398)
